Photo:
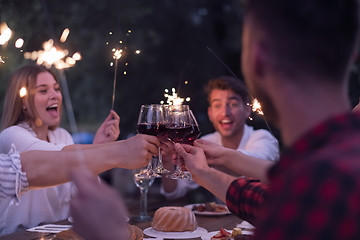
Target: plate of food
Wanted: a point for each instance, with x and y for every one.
(198, 232)
(174, 223)
(224, 234)
(209, 209)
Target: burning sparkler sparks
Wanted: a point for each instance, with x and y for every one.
(52, 56)
(117, 55)
(173, 99)
(256, 107)
(64, 35)
(5, 33)
(19, 43)
(23, 92)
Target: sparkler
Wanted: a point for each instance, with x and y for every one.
(19, 43)
(5, 33)
(117, 56)
(174, 99)
(64, 35)
(52, 56)
(256, 107)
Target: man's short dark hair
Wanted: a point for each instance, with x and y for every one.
(227, 83)
(316, 36)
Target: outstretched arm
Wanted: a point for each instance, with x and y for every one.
(244, 196)
(49, 168)
(210, 178)
(237, 161)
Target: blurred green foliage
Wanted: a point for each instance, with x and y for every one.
(173, 37)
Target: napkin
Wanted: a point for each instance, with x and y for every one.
(245, 225)
(49, 228)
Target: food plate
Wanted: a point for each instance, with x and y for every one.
(70, 219)
(207, 236)
(207, 213)
(175, 235)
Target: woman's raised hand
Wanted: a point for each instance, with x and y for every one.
(109, 130)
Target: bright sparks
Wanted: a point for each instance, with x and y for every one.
(5, 33)
(76, 56)
(173, 99)
(22, 92)
(19, 43)
(52, 56)
(256, 107)
(117, 53)
(1, 60)
(64, 35)
(137, 52)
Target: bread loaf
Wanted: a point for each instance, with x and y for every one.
(174, 219)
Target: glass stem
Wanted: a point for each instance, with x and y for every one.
(177, 168)
(160, 158)
(143, 201)
(149, 166)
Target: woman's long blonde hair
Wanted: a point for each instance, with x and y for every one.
(13, 111)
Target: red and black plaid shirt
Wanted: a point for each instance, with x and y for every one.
(314, 191)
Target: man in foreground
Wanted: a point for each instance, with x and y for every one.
(296, 59)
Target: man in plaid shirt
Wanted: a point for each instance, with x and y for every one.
(296, 56)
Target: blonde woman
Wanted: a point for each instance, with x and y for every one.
(31, 122)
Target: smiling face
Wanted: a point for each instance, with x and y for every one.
(227, 112)
(47, 100)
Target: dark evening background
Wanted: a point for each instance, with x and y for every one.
(174, 38)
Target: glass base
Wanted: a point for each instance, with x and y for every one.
(149, 174)
(142, 218)
(180, 175)
(161, 169)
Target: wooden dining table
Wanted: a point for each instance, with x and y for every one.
(210, 223)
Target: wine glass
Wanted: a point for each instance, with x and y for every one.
(143, 182)
(195, 130)
(151, 122)
(160, 169)
(179, 129)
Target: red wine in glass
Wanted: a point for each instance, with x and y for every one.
(192, 136)
(153, 129)
(178, 134)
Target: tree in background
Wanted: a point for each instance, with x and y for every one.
(173, 37)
